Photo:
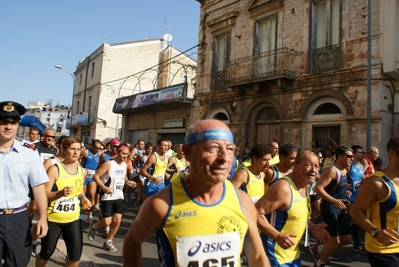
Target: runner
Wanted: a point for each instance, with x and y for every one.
(111, 177)
(65, 191)
(251, 179)
(202, 209)
(90, 161)
(376, 210)
(286, 156)
(138, 163)
(47, 164)
(355, 179)
(332, 188)
(107, 155)
(284, 211)
(179, 163)
(156, 181)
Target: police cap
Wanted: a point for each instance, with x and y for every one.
(11, 111)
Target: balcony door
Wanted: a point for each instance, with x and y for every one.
(265, 46)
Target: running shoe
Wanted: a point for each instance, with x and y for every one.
(97, 207)
(359, 248)
(137, 205)
(92, 232)
(34, 253)
(110, 247)
(107, 230)
(89, 220)
(315, 252)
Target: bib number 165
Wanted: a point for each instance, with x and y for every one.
(224, 262)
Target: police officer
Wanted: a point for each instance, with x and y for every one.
(20, 167)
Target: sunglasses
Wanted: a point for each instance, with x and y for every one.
(349, 156)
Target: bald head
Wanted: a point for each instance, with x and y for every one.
(393, 144)
(208, 124)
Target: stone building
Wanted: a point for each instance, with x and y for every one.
(112, 72)
(163, 111)
(296, 70)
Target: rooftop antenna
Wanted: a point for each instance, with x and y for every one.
(105, 37)
(166, 28)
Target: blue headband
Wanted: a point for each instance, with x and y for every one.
(211, 134)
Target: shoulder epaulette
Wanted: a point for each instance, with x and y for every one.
(31, 146)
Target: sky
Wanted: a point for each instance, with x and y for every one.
(36, 35)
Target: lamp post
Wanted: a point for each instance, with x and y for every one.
(60, 67)
(73, 88)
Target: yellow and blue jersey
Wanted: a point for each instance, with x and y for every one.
(292, 220)
(194, 234)
(384, 214)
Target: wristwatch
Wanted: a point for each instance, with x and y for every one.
(374, 232)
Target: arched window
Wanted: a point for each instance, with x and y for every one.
(221, 116)
(267, 115)
(327, 108)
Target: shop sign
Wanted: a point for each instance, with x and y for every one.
(173, 123)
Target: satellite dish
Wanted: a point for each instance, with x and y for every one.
(168, 37)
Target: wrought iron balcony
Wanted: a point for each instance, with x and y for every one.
(269, 65)
(326, 59)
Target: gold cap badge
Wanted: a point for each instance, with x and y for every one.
(9, 107)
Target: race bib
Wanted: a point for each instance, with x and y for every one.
(118, 185)
(356, 186)
(65, 204)
(182, 169)
(255, 199)
(219, 250)
(90, 173)
(159, 176)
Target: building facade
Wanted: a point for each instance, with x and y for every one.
(113, 71)
(296, 70)
(116, 71)
(163, 112)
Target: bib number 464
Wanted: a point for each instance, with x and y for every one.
(67, 207)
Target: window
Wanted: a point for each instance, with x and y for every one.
(265, 46)
(77, 106)
(265, 35)
(221, 53)
(89, 108)
(326, 35)
(92, 69)
(323, 133)
(80, 79)
(326, 23)
(328, 108)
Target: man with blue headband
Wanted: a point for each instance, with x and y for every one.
(201, 219)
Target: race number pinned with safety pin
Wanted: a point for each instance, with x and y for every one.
(118, 185)
(65, 204)
(90, 173)
(219, 250)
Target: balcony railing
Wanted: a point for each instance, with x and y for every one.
(326, 59)
(265, 66)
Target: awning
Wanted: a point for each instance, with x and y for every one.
(171, 131)
(32, 121)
